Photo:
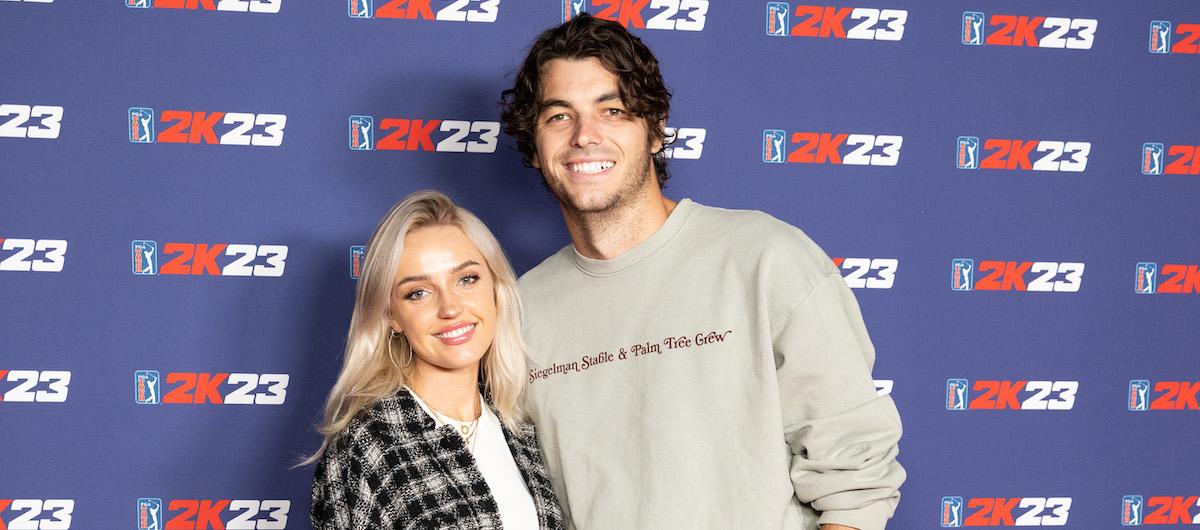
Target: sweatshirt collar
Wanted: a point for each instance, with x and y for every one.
(605, 267)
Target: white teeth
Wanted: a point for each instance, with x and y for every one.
(455, 333)
(588, 168)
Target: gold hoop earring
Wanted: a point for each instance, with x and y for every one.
(396, 335)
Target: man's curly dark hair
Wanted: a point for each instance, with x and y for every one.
(641, 84)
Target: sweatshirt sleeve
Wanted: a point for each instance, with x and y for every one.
(842, 436)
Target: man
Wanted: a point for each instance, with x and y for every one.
(692, 367)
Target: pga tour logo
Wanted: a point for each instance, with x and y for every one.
(1131, 510)
(572, 8)
(1143, 282)
(146, 390)
(961, 274)
(141, 125)
(972, 28)
(952, 510)
(968, 152)
(360, 9)
(1139, 390)
(362, 134)
(773, 146)
(1160, 36)
(145, 259)
(777, 18)
(956, 394)
(149, 514)
(357, 254)
(1152, 158)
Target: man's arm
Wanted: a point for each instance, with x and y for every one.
(843, 437)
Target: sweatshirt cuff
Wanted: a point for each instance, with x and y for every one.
(873, 516)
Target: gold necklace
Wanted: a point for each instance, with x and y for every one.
(467, 429)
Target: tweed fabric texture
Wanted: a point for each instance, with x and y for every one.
(392, 467)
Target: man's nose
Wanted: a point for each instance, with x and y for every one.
(586, 132)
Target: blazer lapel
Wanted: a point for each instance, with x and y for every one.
(444, 448)
(447, 450)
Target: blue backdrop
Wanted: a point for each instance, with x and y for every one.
(1009, 187)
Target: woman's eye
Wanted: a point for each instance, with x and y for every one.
(416, 294)
(469, 279)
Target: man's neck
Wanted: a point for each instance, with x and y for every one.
(606, 235)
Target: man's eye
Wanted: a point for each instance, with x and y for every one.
(557, 117)
(615, 112)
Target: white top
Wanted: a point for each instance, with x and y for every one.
(496, 464)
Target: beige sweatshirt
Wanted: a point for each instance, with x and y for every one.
(718, 375)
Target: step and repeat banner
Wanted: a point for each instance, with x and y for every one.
(186, 186)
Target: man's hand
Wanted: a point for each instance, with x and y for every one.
(837, 527)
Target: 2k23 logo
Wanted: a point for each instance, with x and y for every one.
(200, 127)
(1014, 30)
(1186, 163)
(51, 254)
(1015, 154)
(684, 143)
(204, 514)
(832, 148)
(868, 273)
(447, 10)
(1170, 510)
(33, 386)
(453, 136)
(21, 126)
(1006, 395)
(681, 15)
(1172, 395)
(203, 387)
(1179, 278)
(1052, 276)
(201, 259)
(1029, 511)
(47, 514)
(241, 6)
(830, 22)
(1160, 38)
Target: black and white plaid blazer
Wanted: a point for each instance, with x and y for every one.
(393, 469)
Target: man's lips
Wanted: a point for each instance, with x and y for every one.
(590, 167)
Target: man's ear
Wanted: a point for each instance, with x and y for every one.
(660, 143)
(535, 161)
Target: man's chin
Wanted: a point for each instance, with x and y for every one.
(588, 204)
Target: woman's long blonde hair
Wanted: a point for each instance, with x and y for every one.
(369, 372)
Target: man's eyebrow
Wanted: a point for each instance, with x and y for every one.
(609, 97)
(604, 98)
(425, 278)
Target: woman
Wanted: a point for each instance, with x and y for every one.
(410, 442)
